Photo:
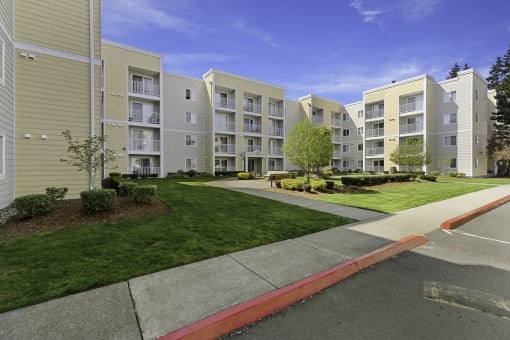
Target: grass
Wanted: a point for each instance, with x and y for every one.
(400, 197)
(205, 222)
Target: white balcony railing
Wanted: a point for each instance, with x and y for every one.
(336, 138)
(275, 131)
(252, 128)
(337, 154)
(377, 132)
(411, 107)
(225, 148)
(275, 151)
(138, 117)
(336, 122)
(229, 127)
(253, 148)
(224, 168)
(374, 113)
(143, 88)
(378, 150)
(253, 108)
(377, 169)
(317, 119)
(143, 144)
(226, 103)
(146, 170)
(411, 128)
(276, 112)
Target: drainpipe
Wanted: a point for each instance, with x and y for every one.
(92, 81)
(213, 130)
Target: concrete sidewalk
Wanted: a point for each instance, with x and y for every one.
(151, 306)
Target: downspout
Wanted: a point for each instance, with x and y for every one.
(213, 130)
(92, 81)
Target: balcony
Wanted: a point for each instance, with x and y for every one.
(374, 113)
(275, 131)
(252, 108)
(411, 128)
(225, 127)
(252, 128)
(140, 87)
(375, 151)
(253, 148)
(317, 119)
(336, 122)
(146, 170)
(337, 154)
(275, 151)
(224, 103)
(377, 132)
(276, 112)
(411, 107)
(336, 138)
(376, 169)
(225, 148)
(224, 169)
(137, 116)
(149, 145)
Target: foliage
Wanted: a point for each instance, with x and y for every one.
(126, 188)
(309, 147)
(499, 140)
(319, 185)
(375, 179)
(412, 154)
(330, 185)
(88, 155)
(191, 172)
(292, 184)
(95, 201)
(429, 178)
(454, 71)
(56, 193)
(33, 205)
(452, 174)
(244, 175)
(144, 193)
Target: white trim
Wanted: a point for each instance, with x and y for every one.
(6, 32)
(131, 48)
(2, 167)
(2, 62)
(56, 53)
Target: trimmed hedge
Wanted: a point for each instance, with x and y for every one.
(375, 179)
(56, 193)
(330, 185)
(429, 178)
(292, 184)
(126, 188)
(144, 193)
(33, 205)
(244, 175)
(98, 200)
(319, 184)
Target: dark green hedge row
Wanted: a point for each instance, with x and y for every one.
(375, 179)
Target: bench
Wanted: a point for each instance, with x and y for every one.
(279, 175)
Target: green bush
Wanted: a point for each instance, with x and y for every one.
(452, 174)
(56, 193)
(429, 178)
(461, 175)
(319, 185)
(33, 205)
(191, 172)
(292, 184)
(144, 193)
(244, 175)
(126, 188)
(434, 173)
(115, 174)
(98, 200)
(376, 179)
(278, 184)
(330, 185)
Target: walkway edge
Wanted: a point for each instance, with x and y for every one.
(252, 310)
(456, 222)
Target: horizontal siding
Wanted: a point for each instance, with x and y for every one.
(176, 151)
(60, 25)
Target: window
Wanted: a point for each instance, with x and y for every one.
(346, 164)
(248, 104)
(2, 156)
(450, 140)
(190, 94)
(360, 114)
(191, 140)
(476, 94)
(345, 117)
(477, 119)
(360, 131)
(477, 161)
(450, 118)
(453, 163)
(360, 164)
(272, 109)
(477, 140)
(450, 96)
(346, 132)
(346, 148)
(2, 62)
(191, 118)
(191, 163)
(360, 147)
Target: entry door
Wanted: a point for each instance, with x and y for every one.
(251, 165)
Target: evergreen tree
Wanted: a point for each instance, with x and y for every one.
(454, 71)
(466, 66)
(499, 142)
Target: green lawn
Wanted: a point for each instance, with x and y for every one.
(401, 197)
(205, 222)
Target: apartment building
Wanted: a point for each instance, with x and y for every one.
(349, 133)
(57, 57)
(6, 102)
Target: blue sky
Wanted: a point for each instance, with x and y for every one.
(332, 48)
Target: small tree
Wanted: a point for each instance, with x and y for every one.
(308, 147)
(88, 154)
(454, 71)
(411, 154)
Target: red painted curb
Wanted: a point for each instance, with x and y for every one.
(252, 310)
(456, 222)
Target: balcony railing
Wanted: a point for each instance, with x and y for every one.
(337, 154)
(377, 132)
(378, 169)
(143, 88)
(143, 144)
(253, 108)
(253, 148)
(411, 128)
(411, 107)
(229, 127)
(146, 170)
(275, 151)
(224, 168)
(374, 113)
(378, 150)
(336, 122)
(226, 103)
(276, 112)
(138, 117)
(275, 131)
(225, 148)
(336, 138)
(252, 128)
(317, 119)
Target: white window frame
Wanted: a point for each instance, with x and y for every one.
(346, 147)
(360, 147)
(447, 140)
(447, 118)
(346, 132)
(477, 117)
(346, 162)
(192, 94)
(360, 164)
(345, 117)
(453, 160)
(2, 156)
(450, 97)
(2, 62)
(477, 162)
(477, 140)
(360, 131)
(192, 118)
(192, 162)
(360, 114)
(190, 140)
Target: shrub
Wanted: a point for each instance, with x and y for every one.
(330, 185)
(307, 187)
(56, 193)
(375, 179)
(33, 205)
(144, 193)
(98, 200)
(126, 188)
(292, 184)
(325, 174)
(428, 178)
(319, 185)
(434, 173)
(278, 184)
(114, 174)
(452, 174)
(461, 175)
(244, 175)
(191, 172)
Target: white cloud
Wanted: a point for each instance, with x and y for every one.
(368, 15)
(260, 35)
(410, 10)
(417, 10)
